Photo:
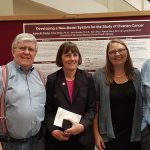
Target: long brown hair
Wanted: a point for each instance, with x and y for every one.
(128, 66)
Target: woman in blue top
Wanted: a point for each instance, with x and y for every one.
(118, 120)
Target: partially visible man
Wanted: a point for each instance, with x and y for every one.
(25, 97)
(145, 73)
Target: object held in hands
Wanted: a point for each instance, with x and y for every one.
(66, 124)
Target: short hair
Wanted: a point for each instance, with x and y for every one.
(65, 48)
(24, 37)
(109, 70)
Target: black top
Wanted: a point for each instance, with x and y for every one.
(122, 102)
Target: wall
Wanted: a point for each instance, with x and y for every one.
(6, 8)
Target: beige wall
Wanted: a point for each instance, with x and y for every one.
(27, 7)
(6, 7)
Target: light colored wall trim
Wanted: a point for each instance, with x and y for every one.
(76, 16)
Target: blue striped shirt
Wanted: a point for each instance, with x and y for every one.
(145, 73)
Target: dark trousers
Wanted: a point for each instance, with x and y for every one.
(121, 145)
(145, 140)
(36, 142)
(72, 144)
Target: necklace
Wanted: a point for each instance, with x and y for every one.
(119, 76)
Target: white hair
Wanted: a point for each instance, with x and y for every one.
(23, 37)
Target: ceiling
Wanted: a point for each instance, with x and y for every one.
(95, 6)
(46, 7)
(76, 6)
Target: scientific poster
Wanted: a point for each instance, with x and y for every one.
(91, 38)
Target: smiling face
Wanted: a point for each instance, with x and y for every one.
(70, 61)
(117, 54)
(24, 54)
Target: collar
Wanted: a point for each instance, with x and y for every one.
(22, 69)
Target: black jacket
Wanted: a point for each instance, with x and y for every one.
(83, 100)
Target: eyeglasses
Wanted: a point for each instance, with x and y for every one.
(119, 50)
(23, 49)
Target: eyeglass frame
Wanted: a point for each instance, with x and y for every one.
(119, 50)
(24, 48)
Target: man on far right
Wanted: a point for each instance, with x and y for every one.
(145, 74)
